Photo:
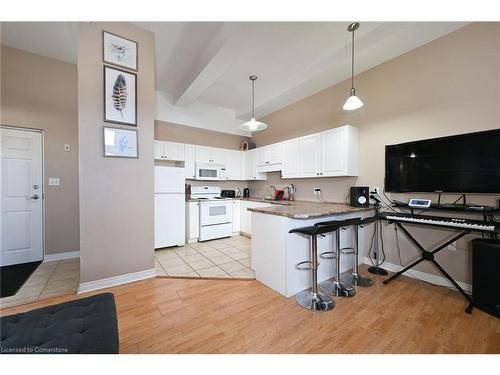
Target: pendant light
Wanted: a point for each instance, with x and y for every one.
(253, 125)
(352, 102)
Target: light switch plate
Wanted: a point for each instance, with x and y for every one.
(67, 147)
(54, 181)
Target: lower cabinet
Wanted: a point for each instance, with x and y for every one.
(192, 221)
(246, 216)
(236, 216)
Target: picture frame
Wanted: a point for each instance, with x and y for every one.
(120, 96)
(119, 51)
(120, 142)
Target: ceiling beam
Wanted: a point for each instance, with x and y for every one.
(229, 42)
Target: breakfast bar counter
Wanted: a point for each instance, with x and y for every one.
(308, 210)
(275, 252)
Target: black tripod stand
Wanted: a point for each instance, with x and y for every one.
(376, 270)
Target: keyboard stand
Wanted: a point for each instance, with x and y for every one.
(429, 256)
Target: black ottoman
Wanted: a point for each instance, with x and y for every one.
(87, 325)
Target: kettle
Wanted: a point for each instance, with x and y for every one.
(246, 192)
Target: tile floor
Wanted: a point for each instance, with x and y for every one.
(49, 279)
(224, 258)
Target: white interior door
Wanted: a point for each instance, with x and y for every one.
(21, 219)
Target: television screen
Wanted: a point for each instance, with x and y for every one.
(466, 163)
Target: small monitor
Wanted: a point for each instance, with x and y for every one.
(419, 203)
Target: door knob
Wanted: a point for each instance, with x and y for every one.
(35, 196)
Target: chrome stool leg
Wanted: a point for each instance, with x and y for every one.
(311, 298)
(336, 287)
(355, 279)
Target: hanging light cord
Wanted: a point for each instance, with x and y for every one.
(352, 61)
(253, 98)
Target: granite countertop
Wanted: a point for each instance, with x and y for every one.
(308, 210)
(256, 199)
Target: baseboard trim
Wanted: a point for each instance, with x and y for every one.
(116, 280)
(424, 276)
(61, 256)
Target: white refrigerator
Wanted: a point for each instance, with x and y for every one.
(170, 211)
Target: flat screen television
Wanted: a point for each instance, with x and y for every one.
(466, 163)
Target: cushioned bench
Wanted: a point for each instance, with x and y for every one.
(87, 325)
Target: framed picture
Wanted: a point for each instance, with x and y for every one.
(120, 143)
(119, 51)
(120, 96)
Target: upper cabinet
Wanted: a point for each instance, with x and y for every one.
(233, 164)
(330, 153)
(189, 171)
(269, 158)
(164, 150)
(327, 154)
(251, 172)
(309, 156)
(206, 154)
(291, 150)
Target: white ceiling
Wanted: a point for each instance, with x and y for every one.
(209, 62)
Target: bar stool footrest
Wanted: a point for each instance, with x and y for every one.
(299, 265)
(328, 255)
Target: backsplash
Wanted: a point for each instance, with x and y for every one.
(224, 185)
(333, 189)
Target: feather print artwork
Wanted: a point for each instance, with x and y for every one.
(120, 94)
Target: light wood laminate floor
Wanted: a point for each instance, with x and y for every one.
(233, 316)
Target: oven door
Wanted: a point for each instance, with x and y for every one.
(212, 213)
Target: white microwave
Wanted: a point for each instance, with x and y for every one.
(210, 172)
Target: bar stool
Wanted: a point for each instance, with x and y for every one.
(311, 298)
(337, 287)
(354, 278)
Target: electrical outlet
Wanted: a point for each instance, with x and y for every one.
(317, 191)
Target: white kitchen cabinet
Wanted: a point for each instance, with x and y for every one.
(236, 216)
(164, 150)
(220, 155)
(189, 159)
(339, 152)
(309, 155)
(203, 154)
(290, 159)
(270, 154)
(251, 166)
(246, 216)
(158, 150)
(260, 156)
(232, 161)
(192, 221)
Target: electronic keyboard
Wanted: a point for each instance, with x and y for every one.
(443, 222)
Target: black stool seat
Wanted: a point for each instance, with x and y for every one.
(339, 223)
(315, 229)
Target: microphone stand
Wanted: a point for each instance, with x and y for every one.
(376, 270)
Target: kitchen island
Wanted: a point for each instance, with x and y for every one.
(275, 252)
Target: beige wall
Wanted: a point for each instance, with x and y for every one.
(38, 92)
(446, 87)
(116, 195)
(167, 131)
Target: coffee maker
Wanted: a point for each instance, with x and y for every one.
(246, 192)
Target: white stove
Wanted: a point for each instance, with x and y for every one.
(216, 212)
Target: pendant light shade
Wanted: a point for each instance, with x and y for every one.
(253, 125)
(352, 102)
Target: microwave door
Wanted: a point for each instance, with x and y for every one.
(207, 174)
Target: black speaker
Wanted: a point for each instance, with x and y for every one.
(360, 196)
(485, 275)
